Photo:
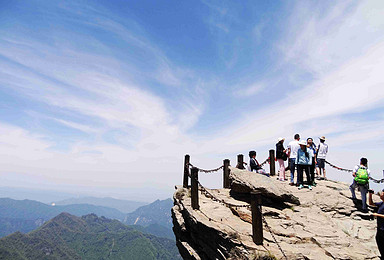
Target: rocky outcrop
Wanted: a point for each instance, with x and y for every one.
(320, 224)
(242, 183)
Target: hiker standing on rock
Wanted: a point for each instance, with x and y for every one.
(312, 149)
(281, 156)
(303, 161)
(322, 151)
(380, 221)
(361, 175)
(293, 147)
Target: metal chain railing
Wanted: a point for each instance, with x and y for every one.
(273, 236)
(214, 198)
(261, 164)
(338, 168)
(266, 160)
(231, 205)
(348, 170)
(376, 181)
(206, 171)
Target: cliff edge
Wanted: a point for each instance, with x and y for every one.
(323, 223)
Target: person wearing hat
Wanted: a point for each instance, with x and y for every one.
(281, 156)
(321, 154)
(380, 220)
(303, 161)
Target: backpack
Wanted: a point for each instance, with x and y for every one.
(362, 176)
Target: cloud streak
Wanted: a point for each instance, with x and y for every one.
(142, 111)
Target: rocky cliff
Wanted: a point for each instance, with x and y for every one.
(323, 223)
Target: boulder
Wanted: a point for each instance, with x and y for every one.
(245, 182)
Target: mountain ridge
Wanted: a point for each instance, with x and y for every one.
(88, 237)
(26, 215)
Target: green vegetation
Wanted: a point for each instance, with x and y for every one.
(89, 237)
(27, 215)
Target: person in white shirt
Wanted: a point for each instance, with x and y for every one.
(293, 147)
(321, 154)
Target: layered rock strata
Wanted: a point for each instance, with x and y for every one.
(320, 224)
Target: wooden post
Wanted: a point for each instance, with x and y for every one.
(272, 162)
(186, 171)
(240, 161)
(226, 173)
(257, 221)
(194, 188)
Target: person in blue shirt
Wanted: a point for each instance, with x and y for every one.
(303, 161)
(380, 221)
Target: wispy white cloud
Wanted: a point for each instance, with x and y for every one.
(106, 88)
(249, 91)
(322, 37)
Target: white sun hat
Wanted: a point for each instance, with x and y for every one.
(302, 142)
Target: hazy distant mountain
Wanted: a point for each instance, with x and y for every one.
(26, 215)
(154, 218)
(45, 196)
(158, 212)
(125, 206)
(157, 230)
(89, 237)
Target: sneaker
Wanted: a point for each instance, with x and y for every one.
(309, 187)
(292, 184)
(314, 184)
(300, 186)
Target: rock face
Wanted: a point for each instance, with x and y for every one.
(320, 224)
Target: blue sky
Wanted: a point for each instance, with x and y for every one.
(105, 97)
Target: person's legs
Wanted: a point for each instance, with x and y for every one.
(312, 172)
(292, 168)
(317, 168)
(352, 188)
(282, 169)
(363, 191)
(380, 242)
(306, 169)
(325, 176)
(263, 172)
(321, 167)
(300, 174)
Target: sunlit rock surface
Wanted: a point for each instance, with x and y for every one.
(320, 224)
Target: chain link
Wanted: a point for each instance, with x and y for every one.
(376, 181)
(211, 196)
(230, 205)
(262, 164)
(338, 168)
(206, 171)
(348, 170)
(273, 236)
(266, 160)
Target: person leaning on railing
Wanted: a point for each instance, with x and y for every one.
(380, 221)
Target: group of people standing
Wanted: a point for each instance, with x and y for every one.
(304, 157)
(310, 158)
